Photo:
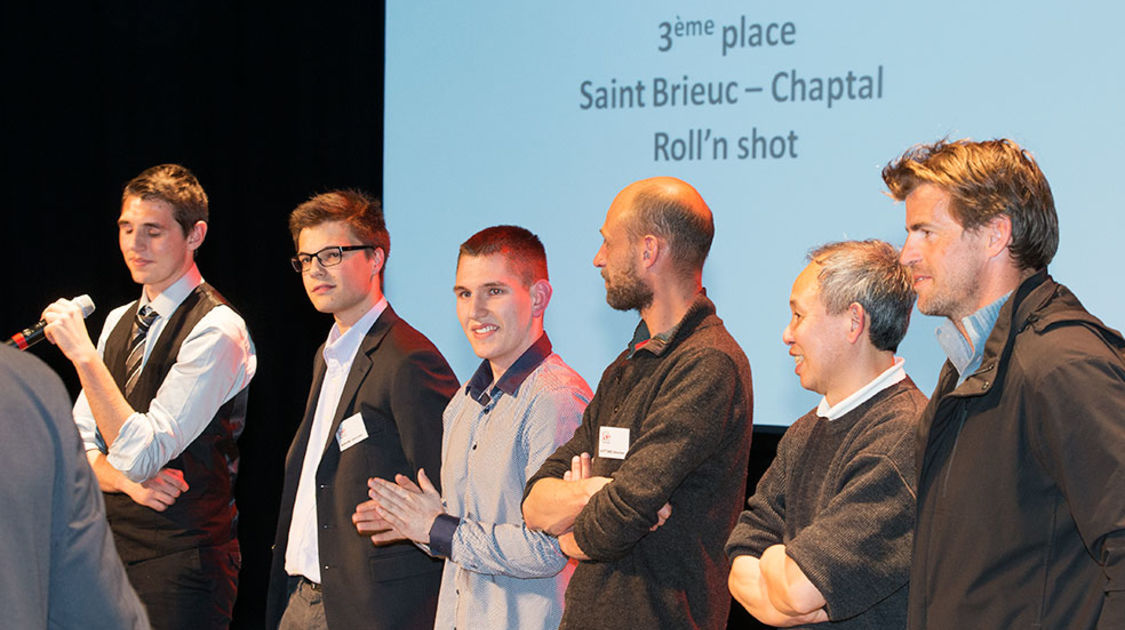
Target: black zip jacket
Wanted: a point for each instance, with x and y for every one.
(1021, 491)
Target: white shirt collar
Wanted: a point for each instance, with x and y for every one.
(891, 376)
(343, 346)
(170, 299)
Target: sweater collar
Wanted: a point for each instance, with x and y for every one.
(891, 376)
(1014, 314)
(966, 354)
(660, 343)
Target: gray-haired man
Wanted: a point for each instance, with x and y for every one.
(828, 531)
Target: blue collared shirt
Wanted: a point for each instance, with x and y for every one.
(966, 354)
(499, 573)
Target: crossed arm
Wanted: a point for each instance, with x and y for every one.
(405, 510)
(775, 590)
(772, 587)
(157, 493)
(67, 330)
(679, 431)
(554, 504)
(219, 352)
(856, 547)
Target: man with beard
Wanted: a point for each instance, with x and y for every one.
(1021, 505)
(669, 429)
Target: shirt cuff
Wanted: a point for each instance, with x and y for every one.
(127, 454)
(441, 535)
(93, 441)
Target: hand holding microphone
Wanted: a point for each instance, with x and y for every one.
(62, 325)
(32, 335)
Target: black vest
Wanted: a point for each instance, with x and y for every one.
(205, 515)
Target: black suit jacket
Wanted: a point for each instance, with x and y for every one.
(400, 384)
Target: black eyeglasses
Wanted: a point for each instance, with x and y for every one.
(328, 257)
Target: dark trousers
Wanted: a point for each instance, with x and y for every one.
(189, 590)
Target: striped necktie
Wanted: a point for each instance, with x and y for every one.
(141, 323)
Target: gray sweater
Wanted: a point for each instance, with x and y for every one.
(840, 497)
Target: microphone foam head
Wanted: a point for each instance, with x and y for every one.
(85, 303)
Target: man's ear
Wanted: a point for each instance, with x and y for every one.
(378, 258)
(651, 250)
(998, 234)
(196, 234)
(857, 320)
(540, 291)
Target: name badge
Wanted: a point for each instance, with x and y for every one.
(352, 431)
(613, 442)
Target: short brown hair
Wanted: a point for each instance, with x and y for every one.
(361, 212)
(520, 246)
(986, 179)
(174, 185)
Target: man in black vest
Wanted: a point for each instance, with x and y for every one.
(374, 410)
(163, 402)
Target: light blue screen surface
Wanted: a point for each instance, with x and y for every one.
(487, 123)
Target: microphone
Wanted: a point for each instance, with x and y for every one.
(28, 337)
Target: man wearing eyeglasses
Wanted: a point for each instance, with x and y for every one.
(162, 405)
(374, 410)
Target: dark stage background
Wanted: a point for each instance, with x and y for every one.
(267, 104)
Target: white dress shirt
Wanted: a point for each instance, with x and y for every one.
(302, 553)
(214, 363)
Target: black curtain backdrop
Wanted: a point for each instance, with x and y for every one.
(268, 103)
